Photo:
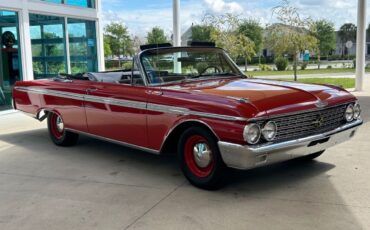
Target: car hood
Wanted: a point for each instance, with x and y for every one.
(271, 97)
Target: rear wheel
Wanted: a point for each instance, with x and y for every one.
(200, 159)
(57, 131)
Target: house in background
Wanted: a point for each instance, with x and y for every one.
(42, 38)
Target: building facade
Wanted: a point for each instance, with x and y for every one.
(43, 38)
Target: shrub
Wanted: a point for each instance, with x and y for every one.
(127, 65)
(264, 67)
(330, 67)
(304, 65)
(281, 63)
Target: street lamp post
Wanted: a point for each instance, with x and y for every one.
(361, 44)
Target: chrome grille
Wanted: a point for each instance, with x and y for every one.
(310, 123)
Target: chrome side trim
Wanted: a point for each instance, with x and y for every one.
(153, 151)
(129, 104)
(168, 109)
(117, 102)
(55, 93)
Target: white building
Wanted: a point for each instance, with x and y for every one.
(42, 38)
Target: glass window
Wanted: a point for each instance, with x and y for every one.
(180, 64)
(82, 46)
(48, 45)
(10, 58)
(82, 3)
(53, 1)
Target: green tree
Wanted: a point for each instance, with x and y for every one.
(119, 40)
(325, 34)
(291, 35)
(347, 32)
(253, 30)
(227, 36)
(156, 36)
(201, 33)
(107, 49)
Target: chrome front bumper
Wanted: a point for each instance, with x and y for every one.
(248, 157)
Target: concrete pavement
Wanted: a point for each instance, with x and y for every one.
(98, 185)
(304, 76)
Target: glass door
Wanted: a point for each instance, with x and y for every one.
(10, 58)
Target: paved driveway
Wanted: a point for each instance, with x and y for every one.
(98, 185)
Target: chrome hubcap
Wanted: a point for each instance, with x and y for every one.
(202, 155)
(60, 124)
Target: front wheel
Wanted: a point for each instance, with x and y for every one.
(57, 131)
(200, 159)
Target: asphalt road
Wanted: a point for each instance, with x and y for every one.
(98, 185)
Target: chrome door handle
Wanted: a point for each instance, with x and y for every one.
(154, 92)
(89, 90)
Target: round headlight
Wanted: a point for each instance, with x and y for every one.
(357, 111)
(252, 133)
(350, 113)
(269, 131)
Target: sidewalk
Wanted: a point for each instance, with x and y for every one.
(304, 76)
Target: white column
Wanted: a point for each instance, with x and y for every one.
(99, 37)
(176, 23)
(360, 44)
(68, 52)
(176, 34)
(25, 42)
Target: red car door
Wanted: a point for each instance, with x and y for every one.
(69, 101)
(117, 112)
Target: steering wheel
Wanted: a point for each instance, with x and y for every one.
(216, 68)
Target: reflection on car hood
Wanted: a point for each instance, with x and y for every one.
(269, 96)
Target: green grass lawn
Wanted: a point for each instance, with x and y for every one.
(300, 72)
(347, 83)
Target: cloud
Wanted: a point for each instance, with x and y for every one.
(142, 18)
(220, 6)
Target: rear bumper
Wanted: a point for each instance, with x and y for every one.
(248, 157)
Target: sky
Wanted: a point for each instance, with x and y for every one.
(141, 15)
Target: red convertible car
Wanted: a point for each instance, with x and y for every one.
(196, 102)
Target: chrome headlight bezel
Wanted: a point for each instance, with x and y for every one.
(357, 111)
(247, 133)
(349, 113)
(270, 126)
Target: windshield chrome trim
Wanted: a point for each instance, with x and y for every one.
(130, 104)
(197, 79)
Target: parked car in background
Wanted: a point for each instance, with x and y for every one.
(194, 101)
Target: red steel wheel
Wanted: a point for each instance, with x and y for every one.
(200, 159)
(198, 156)
(57, 126)
(58, 134)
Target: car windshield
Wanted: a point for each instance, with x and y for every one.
(166, 66)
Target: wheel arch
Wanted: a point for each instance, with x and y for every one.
(172, 138)
(42, 113)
